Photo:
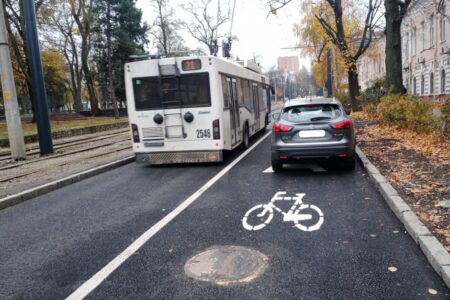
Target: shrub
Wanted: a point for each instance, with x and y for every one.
(445, 110)
(344, 98)
(370, 98)
(407, 111)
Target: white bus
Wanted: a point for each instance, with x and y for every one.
(191, 109)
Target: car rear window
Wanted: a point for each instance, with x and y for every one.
(308, 113)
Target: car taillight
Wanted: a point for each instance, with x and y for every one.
(216, 129)
(135, 132)
(277, 127)
(346, 124)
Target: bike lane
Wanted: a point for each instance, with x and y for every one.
(351, 255)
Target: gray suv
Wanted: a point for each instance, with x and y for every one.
(313, 129)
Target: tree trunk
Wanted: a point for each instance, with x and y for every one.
(111, 90)
(394, 74)
(353, 86)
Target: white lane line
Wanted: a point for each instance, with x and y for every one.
(89, 285)
(268, 170)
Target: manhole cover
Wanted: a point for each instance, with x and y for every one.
(226, 265)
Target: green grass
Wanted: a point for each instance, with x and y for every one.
(30, 128)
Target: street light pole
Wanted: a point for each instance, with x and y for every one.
(37, 79)
(13, 122)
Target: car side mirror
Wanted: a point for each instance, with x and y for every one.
(275, 116)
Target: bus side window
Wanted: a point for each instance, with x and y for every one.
(239, 92)
(262, 97)
(265, 97)
(247, 96)
(225, 90)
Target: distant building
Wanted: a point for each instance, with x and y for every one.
(289, 64)
(426, 49)
(371, 65)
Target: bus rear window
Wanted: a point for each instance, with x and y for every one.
(191, 90)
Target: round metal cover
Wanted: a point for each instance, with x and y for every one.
(226, 265)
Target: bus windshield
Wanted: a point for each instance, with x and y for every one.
(191, 90)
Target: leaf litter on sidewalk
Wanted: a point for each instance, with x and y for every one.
(416, 164)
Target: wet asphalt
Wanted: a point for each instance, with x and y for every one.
(50, 245)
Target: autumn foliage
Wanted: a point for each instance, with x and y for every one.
(407, 111)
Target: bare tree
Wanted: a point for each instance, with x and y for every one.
(63, 35)
(339, 38)
(82, 12)
(205, 25)
(164, 28)
(15, 25)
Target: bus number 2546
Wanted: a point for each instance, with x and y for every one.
(203, 133)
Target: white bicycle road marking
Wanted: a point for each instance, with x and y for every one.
(88, 286)
(265, 213)
(268, 170)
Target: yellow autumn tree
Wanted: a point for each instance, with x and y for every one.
(315, 41)
(54, 71)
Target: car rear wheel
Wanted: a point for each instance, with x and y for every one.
(349, 164)
(277, 166)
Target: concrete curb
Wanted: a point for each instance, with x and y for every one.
(437, 255)
(54, 185)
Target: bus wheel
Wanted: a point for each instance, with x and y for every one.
(245, 138)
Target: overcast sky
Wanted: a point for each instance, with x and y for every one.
(258, 34)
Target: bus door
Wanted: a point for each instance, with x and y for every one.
(234, 112)
(256, 106)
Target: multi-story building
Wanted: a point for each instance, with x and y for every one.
(372, 65)
(289, 64)
(426, 48)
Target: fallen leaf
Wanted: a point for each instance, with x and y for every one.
(392, 269)
(373, 235)
(432, 291)
(170, 250)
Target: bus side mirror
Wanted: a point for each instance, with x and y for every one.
(275, 116)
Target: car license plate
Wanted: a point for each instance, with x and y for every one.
(311, 133)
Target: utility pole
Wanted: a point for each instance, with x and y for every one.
(37, 79)
(13, 122)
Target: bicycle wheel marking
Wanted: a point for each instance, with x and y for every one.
(263, 213)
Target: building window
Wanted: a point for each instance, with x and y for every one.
(443, 82)
(414, 86)
(422, 36)
(406, 43)
(442, 23)
(431, 83)
(432, 30)
(422, 85)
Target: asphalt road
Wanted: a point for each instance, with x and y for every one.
(51, 245)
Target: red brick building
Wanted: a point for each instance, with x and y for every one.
(288, 64)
